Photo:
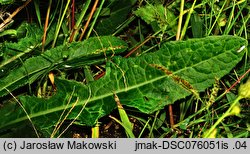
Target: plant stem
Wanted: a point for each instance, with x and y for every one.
(171, 116)
(137, 47)
(180, 20)
(73, 14)
(153, 125)
(232, 23)
(79, 21)
(95, 131)
(8, 20)
(93, 23)
(238, 81)
(60, 24)
(207, 134)
(124, 24)
(46, 25)
(217, 17)
(170, 108)
(88, 21)
(183, 32)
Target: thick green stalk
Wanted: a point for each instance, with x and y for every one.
(180, 20)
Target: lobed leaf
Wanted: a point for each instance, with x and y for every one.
(29, 43)
(148, 83)
(76, 54)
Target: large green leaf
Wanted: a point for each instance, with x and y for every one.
(29, 36)
(148, 83)
(76, 54)
(28, 43)
(119, 12)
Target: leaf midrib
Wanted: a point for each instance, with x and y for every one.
(111, 93)
(56, 109)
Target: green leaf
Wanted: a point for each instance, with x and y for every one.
(119, 11)
(91, 51)
(159, 17)
(10, 32)
(29, 43)
(13, 52)
(125, 122)
(197, 25)
(127, 128)
(5, 2)
(148, 83)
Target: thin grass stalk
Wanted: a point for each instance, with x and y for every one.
(94, 21)
(46, 25)
(79, 21)
(208, 133)
(230, 26)
(88, 21)
(25, 111)
(73, 14)
(183, 32)
(60, 24)
(170, 108)
(8, 20)
(180, 20)
(124, 24)
(153, 125)
(217, 18)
